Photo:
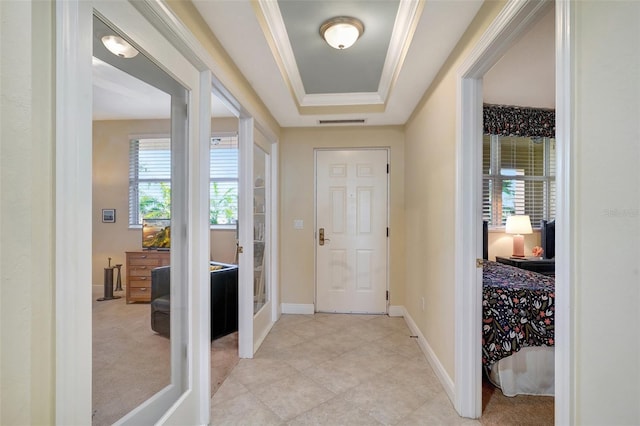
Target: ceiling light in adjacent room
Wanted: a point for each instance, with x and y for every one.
(119, 46)
(342, 31)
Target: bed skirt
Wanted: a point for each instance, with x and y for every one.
(530, 371)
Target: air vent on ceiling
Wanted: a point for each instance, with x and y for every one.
(343, 122)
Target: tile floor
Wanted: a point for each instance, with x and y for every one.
(333, 369)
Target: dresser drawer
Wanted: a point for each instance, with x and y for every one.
(140, 294)
(147, 261)
(140, 271)
(138, 275)
(139, 282)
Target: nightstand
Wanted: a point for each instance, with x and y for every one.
(535, 264)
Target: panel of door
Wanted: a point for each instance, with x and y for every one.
(351, 237)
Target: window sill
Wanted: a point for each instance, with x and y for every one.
(230, 227)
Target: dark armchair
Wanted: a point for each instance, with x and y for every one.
(224, 300)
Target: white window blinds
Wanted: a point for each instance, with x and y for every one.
(224, 180)
(150, 179)
(518, 178)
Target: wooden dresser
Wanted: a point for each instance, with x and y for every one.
(139, 266)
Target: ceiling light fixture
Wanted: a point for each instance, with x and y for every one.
(342, 31)
(119, 46)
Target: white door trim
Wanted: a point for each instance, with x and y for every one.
(565, 265)
(245, 238)
(73, 213)
(515, 18)
(73, 221)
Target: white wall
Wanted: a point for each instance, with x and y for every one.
(525, 75)
(606, 212)
(26, 215)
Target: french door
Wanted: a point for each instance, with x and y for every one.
(185, 399)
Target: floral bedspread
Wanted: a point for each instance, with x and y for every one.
(518, 310)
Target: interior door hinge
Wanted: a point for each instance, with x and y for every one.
(387, 295)
(479, 263)
(388, 168)
(387, 232)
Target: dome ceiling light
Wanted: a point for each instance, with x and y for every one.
(119, 46)
(342, 31)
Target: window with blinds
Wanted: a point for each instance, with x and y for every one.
(150, 179)
(518, 178)
(223, 189)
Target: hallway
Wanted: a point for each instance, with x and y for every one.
(335, 369)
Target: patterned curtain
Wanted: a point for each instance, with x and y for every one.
(505, 120)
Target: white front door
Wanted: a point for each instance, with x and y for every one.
(352, 229)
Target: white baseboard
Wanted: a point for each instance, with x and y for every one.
(441, 373)
(396, 310)
(298, 308)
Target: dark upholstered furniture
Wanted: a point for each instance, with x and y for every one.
(224, 300)
(485, 240)
(548, 238)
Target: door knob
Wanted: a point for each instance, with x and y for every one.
(321, 237)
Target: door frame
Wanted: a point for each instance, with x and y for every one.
(315, 216)
(74, 35)
(515, 18)
(73, 24)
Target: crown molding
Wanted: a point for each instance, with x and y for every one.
(409, 12)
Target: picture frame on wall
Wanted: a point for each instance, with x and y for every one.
(108, 215)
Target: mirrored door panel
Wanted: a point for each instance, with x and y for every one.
(139, 166)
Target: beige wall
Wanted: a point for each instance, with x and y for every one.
(605, 215)
(111, 190)
(225, 69)
(525, 75)
(297, 202)
(430, 176)
(501, 244)
(27, 213)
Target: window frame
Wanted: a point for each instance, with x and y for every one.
(236, 180)
(495, 178)
(134, 179)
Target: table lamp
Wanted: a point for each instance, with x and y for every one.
(518, 225)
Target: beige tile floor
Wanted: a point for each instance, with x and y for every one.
(333, 369)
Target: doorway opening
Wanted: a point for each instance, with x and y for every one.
(515, 18)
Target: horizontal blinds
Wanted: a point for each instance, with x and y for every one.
(223, 156)
(522, 155)
(150, 179)
(523, 181)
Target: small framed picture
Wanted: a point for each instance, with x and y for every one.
(109, 215)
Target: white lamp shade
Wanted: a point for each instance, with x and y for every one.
(341, 32)
(518, 224)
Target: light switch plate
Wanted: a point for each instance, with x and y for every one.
(298, 224)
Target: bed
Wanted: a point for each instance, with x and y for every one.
(518, 321)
